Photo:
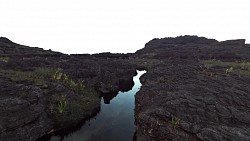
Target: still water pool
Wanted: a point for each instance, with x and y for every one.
(115, 122)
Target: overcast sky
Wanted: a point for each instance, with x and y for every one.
(91, 26)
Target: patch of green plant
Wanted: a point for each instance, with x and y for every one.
(78, 87)
(229, 70)
(38, 76)
(62, 104)
(243, 65)
(44, 72)
(240, 68)
(58, 75)
(4, 59)
(175, 122)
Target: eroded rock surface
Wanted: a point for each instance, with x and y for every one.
(22, 111)
(194, 89)
(43, 92)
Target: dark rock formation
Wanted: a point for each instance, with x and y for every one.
(194, 89)
(34, 104)
(22, 111)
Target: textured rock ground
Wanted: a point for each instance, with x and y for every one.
(194, 89)
(40, 90)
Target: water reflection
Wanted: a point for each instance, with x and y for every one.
(115, 122)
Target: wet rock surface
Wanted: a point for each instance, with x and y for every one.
(194, 89)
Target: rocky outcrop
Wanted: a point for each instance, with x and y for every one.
(22, 111)
(194, 91)
(35, 101)
(232, 43)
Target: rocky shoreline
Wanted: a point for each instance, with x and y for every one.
(194, 89)
(43, 92)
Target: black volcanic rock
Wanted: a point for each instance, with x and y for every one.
(191, 47)
(22, 111)
(31, 100)
(194, 89)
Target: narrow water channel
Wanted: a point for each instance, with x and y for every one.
(115, 122)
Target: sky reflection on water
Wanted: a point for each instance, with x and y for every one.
(115, 122)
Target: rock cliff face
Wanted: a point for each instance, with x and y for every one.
(194, 89)
(42, 92)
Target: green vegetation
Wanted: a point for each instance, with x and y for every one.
(175, 122)
(240, 68)
(243, 65)
(41, 76)
(78, 87)
(38, 76)
(62, 104)
(229, 70)
(58, 75)
(4, 59)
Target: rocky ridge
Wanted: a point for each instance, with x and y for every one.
(194, 89)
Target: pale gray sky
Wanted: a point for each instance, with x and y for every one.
(91, 26)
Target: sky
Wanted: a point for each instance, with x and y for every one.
(119, 26)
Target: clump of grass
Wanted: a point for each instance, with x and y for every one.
(4, 59)
(57, 75)
(44, 72)
(175, 122)
(78, 87)
(245, 66)
(229, 70)
(240, 68)
(62, 104)
(39, 76)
